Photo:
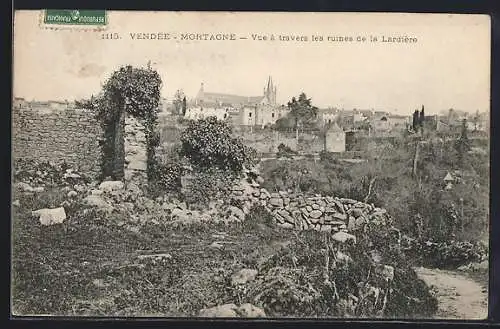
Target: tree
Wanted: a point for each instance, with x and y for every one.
(415, 122)
(476, 120)
(462, 145)
(302, 110)
(184, 106)
(422, 117)
(178, 101)
(208, 143)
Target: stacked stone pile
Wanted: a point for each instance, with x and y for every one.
(315, 212)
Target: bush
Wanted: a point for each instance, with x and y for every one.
(297, 282)
(205, 186)
(285, 151)
(166, 177)
(447, 255)
(208, 143)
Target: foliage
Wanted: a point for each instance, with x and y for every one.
(416, 203)
(208, 143)
(302, 110)
(285, 123)
(47, 173)
(285, 151)
(462, 145)
(166, 177)
(135, 91)
(178, 102)
(446, 254)
(205, 186)
(314, 277)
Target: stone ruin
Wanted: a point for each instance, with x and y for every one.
(321, 213)
(135, 168)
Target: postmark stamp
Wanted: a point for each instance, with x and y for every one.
(73, 19)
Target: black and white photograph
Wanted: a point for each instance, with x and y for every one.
(250, 165)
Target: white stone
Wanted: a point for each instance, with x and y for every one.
(98, 202)
(243, 276)
(250, 311)
(343, 237)
(24, 187)
(50, 216)
(223, 311)
(109, 186)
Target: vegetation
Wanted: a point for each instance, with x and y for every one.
(208, 143)
(135, 91)
(420, 204)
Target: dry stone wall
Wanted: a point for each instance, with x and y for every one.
(135, 152)
(315, 212)
(66, 135)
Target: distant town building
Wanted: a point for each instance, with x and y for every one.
(328, 116)
(335, 139)
(242, 110)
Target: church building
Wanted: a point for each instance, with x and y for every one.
(239, 110)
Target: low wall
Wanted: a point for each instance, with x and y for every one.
(58, 135)
(321, 213)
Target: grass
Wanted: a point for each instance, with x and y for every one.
(89, 266)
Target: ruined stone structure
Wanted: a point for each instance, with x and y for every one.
(135, 152)
(58, 135)
(314, 212)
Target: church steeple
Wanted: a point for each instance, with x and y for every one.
(270, 91)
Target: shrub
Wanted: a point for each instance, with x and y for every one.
(314, 277)
(166, 177)
(205, 186)
(208, 143)
(285, 151)
(47, 173)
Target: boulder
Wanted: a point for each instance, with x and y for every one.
(250, 311)
(339, 216)
(98, 202)
(50, 216)
(276, 202)
(24, 187)
(315, 214)
(38, 189)
(343, 237)
(96, 192)
(16, 203)
(315, 206)
(237, 212)
(356, 212)
(222, 311)
(243, 276)
(326, 228)
(72, 194)
(287, 225)
(109, 186)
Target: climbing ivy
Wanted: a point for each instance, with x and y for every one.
(131, 90)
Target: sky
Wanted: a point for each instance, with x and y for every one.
(448, 67)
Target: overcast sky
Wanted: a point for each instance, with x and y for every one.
(449, 66)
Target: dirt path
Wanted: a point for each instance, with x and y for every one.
(459, 297)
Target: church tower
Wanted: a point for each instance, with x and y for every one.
(270, 91)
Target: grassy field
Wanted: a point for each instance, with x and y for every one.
(90, 266)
